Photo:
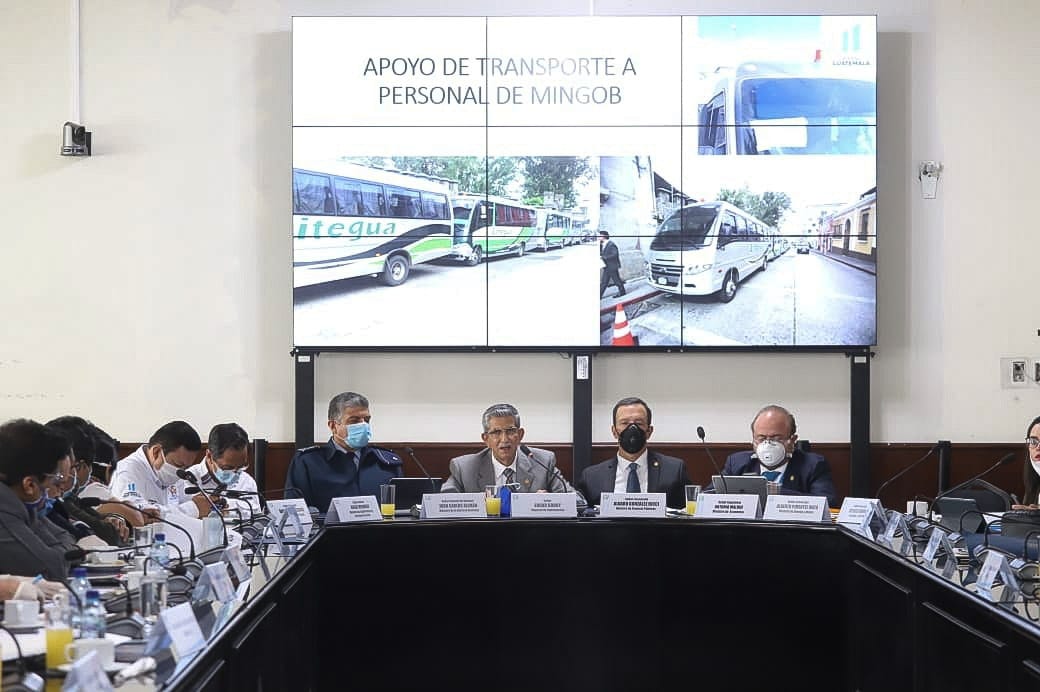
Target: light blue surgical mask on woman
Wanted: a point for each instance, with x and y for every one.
(358, 435)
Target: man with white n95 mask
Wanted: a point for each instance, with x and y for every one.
(775, 456)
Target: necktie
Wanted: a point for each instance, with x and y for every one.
(771, 475)
(508, 473)
(633, 478)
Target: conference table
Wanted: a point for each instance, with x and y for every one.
(610, 604)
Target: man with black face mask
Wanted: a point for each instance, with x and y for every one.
(635, 469)
(773, 438)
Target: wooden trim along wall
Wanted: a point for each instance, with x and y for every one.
(886, 460)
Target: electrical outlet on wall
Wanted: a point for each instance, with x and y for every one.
(1018, 372)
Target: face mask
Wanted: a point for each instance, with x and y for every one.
(227, 476)
(770, 454)
(36, 506)
(167, 475)
(632, 439)
(358, 435)
(71, 492)
(48, 505)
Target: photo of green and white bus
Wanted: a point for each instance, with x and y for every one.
(487, 226)
(555, 229)
(708, 248)
(351, 220)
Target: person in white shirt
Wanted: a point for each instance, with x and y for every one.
(224, 468)
(148, 477)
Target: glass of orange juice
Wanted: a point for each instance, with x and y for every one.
(492, 502)
(387, 500)
(692, 493)
(58, 630)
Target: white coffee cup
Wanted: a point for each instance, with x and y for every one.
(917, 508)
(21, 613)
(105, 648)
(133, 579)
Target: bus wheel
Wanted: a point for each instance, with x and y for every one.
(475, 256)
(729, 286)
(522, 250)
(395, 272)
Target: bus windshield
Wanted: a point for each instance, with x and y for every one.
(685, 229)
(813, 98)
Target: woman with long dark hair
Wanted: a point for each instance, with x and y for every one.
(1031, 469)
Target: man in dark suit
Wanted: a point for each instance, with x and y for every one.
(610, 273)
(773, 438)
(635, 468)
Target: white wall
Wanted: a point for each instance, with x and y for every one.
(152, 280)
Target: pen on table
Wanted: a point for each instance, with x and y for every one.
(37, 579)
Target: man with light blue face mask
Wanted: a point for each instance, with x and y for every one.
(775, 456)
(223, 469)
(345, 466)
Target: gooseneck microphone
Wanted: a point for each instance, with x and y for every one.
(411, 453)
(553, 472)
(185, 474)
(905, 471)
(1006, 459)
(707, 449)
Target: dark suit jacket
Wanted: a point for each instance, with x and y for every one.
(611, 260)
(664, 474)
(806, 474)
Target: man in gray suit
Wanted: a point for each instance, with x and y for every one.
(635, 469)
(506, 460)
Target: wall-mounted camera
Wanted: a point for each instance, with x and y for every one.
(75, 140)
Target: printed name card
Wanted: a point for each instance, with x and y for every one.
(726, 506)
(220, 580)
(87, 673)
(276, 508)
(183, 628)
(537, 505)
(453, 506)
(857, 513)
(632, 505)
(233, 556)
(796, 508)
(346, 510)
(897, 524)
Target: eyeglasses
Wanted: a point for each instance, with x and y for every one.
(1033, 442)
(759, 439)
(59, 478)
(508, 432)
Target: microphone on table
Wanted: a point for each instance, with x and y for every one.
(411, 453)
(185, 474)
(707, 449)
(26, 679)
(553, 471)
(1006, 459)
(903, 472)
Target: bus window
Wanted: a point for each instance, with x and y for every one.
(404, 204)
(434, 206)
(348, 197)
(372, 201)
(312, 194)
(742, 229)
(727, 229)
(712, 139)
(480, 219)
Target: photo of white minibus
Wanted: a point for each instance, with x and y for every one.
(707, 248)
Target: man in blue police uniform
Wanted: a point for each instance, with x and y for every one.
(346, 465)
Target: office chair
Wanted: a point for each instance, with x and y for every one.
(987, 496)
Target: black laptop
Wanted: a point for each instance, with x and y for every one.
(410, 491)
(955, 514)
(743, 485)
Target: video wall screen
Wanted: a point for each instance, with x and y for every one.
(647, 183)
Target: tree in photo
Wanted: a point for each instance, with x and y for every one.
(554, 178)
(768, 206)
(474, 174)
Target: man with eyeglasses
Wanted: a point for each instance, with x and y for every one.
(774, 456)
(506, 461)
(635, 469)
(224, 468)
(345, 466)
(148, 478)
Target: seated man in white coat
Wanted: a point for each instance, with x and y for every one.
(506, 460)
(148, 477)
(223, 470)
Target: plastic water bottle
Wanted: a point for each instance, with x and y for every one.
(160, 552)
(153, 594)
(92, 622)
(213, 530)
(79, 585)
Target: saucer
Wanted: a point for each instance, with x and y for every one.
(22, 629)
(110, 668)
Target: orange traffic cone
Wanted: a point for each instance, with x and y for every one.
(622, 334)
